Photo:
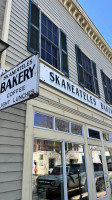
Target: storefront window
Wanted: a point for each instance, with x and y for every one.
(108, 154)
(94, 133)
(47, 171)
(76, 172)
(44, 121)
(76, 129)
(98, 173)
(107, 137)
(61, 125)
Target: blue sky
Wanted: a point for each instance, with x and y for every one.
(100, 13)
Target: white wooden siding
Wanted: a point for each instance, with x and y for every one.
(12, 128)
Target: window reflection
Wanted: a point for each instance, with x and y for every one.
(61, 125)
(47, 170)
(107, 137)
(98, 173)
(44, 121)
(76, 129)
(108, 154)
(76, 173)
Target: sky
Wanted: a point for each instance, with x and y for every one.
(100, 13)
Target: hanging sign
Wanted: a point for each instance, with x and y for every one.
(20, 83)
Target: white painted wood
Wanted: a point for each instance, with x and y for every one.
(9, 186)
(12, 125)
(12, 195)
(11, 167)
(10, 176)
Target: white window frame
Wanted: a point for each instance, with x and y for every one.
(95, 129)
(63, 163)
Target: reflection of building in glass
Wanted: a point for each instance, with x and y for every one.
(47, 155)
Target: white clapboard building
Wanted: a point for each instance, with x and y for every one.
(55, 103)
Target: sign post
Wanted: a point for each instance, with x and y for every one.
(21, 83)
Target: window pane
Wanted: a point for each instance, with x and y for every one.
(55, 40)
(47, 180)
(43, 43)
(48, 47)
(76, 172)
(108, 155)
(43, 19)
(105, 136)
(55, 30)
(50, 35)
(61, 125)
(49, 25)
(54, 52)
(94, 134)
(110, 137)
(54, 62)
(48, 58)
(76, 129)
(44, 30)
(44, 121)
(98, 173)
(42, 54)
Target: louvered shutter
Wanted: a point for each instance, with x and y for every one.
(64, 56)
(80, 69)
(104, 86)
(33, 31)
(95, 79)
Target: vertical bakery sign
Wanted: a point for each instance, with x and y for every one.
(21, 83)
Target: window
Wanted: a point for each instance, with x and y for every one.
(61, 125)
(98, 173)
(41, 157)
(107, 86)
(44, 121)
(47, 39)
(94, 134)
(76, 129)
(87, 75)
(107, 137)
(53, 123)
(59, 173)
(51, 163)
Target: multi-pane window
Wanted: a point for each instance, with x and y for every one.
(47, 39)
(87, 75)
(107, 86)
(53, 123)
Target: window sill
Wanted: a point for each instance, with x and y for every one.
(50, 66)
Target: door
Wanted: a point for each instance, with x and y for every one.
(98, 176)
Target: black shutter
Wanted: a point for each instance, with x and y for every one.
(95, 79)
(64, 56)
(104, 86)
(33, 31)
(80, 69)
